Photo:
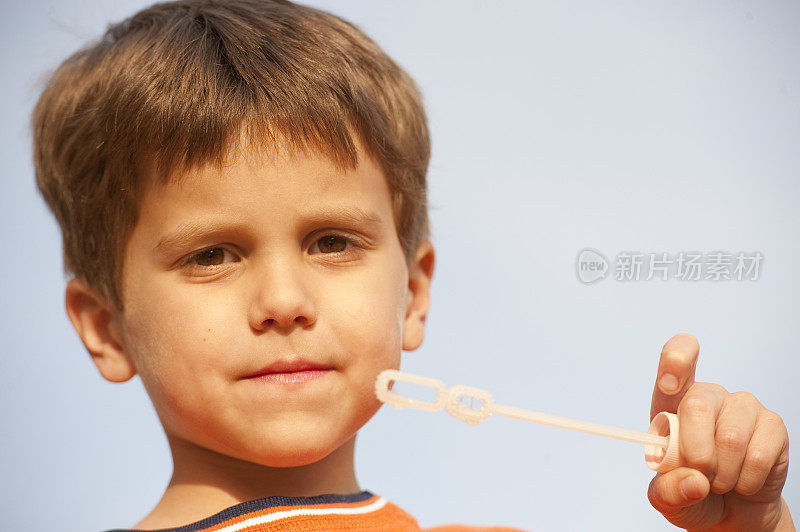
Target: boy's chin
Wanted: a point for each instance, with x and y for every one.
(291, 442)
(300, 450)
(293, 460)
(296, 450)
(298, 455)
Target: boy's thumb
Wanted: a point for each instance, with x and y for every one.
(684, 498)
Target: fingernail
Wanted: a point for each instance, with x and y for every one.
(668, 383)
(690, 488)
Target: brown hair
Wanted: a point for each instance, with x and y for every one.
(178, 84)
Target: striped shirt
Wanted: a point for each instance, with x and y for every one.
(360, 511)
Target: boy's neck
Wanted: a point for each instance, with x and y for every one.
(204, 482)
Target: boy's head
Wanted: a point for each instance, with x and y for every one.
(241, 191)
(184, 84)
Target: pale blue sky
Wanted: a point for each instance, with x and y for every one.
(619, 126)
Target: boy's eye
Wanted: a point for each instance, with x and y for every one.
(211, 257)
(330, 244)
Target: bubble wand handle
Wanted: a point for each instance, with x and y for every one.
(661, 440)
(580, 426)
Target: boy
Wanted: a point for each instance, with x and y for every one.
(241, 191)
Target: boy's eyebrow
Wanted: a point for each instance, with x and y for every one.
(354, 215)
(190, 231)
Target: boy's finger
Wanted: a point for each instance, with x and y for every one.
(675, 373)
(767, 459)
(697, 417)
(681, 497)
(734, 429)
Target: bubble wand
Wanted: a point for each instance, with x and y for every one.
(661, 439)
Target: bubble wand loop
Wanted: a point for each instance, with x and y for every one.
(661, 440)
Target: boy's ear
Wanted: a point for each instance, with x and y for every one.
(420, 273)
(93, 319)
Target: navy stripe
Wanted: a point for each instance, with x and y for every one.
(262, 504)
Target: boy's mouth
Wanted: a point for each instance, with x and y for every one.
(290, 371)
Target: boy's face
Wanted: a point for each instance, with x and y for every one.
(261, 262)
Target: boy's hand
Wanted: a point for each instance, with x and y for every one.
(736, 452)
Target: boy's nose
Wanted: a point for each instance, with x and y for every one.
(282, 301)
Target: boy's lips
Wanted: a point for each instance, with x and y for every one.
(285, 367)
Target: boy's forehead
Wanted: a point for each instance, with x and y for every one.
(295, 180)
